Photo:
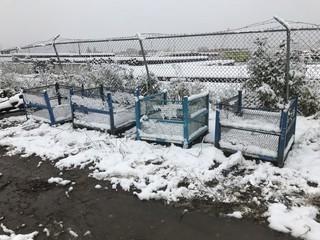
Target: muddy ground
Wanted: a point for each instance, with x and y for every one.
(29, 203)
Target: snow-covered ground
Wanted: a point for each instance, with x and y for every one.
(10, 235)
(286, 198)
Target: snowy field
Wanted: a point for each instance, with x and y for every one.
(286, 198)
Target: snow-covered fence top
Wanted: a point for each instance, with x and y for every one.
(48, 103)
(267, 134)
(164, 120)
(103, 109)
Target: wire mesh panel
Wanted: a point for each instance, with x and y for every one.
(98, 108)
(198, 115)
(267, 134)
(161, 119)
(249, 142)
(48, 103)
(90, 109)
(36, 104)
(123, 105)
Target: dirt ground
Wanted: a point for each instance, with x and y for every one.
(29, 203)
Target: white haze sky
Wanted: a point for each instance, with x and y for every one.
(26, 21)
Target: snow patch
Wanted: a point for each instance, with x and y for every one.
(236, 214)
(59, 181)
(12, 236)
(298, 221)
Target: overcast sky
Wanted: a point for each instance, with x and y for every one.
(26, 21)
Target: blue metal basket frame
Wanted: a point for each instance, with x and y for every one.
(105, 98)
(287, 128)
(185, 121)
(41, 91)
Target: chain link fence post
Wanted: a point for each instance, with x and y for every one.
(288, 49)
(144, 60)
(56, 51)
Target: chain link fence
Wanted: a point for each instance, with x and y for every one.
(219, 62)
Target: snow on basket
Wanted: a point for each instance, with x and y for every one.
(102, 109)
(48, 103)
(266, 134)
(163, 120)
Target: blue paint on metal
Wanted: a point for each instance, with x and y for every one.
(36, 106)
(110, 106)
(50, 111)
(185, 118)
(165, 98)
(239, 102)
(217, 133)
(200, 114)
(138, 114)
(282, 139)
(185, 107)
(25, 107)
(82, 90)
(71, 106)
(57, 87)
(86, 110)
(150, 97)
(99, 93)
(254, 130)
(295, 113)
(286, 127)
(102, 94)
(169, 121)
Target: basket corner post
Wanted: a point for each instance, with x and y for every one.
(282, 139)
(25, 106)
(111, 112)
(239, 105)
(71, 106)
(49, 107)
(217, 132)
(165, 98)
(57, 89)
(185, 108)
(138, 114)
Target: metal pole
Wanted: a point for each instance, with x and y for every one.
(287, 67)
(56, 51)
(145, 62)
(79, 49)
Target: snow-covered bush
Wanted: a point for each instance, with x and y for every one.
(118, 78)
(267, 78)
(8, 80)
(16, 76)
(148, 86)
(19, 68)
(179, 87)
(110, 75)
